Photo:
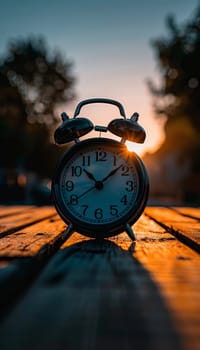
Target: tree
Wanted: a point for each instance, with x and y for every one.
(178, 96)
(33, 83)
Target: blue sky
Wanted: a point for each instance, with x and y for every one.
(109, 43)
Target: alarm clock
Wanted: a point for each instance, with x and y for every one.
(100, 189)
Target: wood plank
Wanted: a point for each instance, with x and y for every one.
(9, 225)
(186, 229)
(88, 309)
(34, 244)
(13, 210)
(175, 269)
(191, 212)
(32, 240)
(111, 294)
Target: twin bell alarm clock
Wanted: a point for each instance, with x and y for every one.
(100, 188)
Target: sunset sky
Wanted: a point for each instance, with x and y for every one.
(109, 43)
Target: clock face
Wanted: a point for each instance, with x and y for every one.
(97, 185)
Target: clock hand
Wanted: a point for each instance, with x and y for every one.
(112, 173)
(98, 184)
(90, 175)
(83, 194)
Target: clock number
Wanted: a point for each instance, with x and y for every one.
(98, 213)
(100, 156)
(69, 186)
(125, 170)
(86, 161)
(73, 199)
(114, 160)
(76, 170)
(113, 210)
(124, 199)
(85, 207)
(129, 187)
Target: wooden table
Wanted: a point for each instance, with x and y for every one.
(112, 294)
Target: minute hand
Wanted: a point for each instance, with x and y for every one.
(112, 173)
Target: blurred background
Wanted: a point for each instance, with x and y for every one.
(144, 54)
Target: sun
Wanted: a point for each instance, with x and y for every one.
(140, 149)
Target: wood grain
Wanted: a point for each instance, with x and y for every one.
(190, 212)
(13, 210)
(9, 225)
(23, 254)
(32, 240)
(111, 294)
(174, 268)
(185, 228)
(91, 294)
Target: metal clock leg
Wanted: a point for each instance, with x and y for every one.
(68, 232)
(130, 232)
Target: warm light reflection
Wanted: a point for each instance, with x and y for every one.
(143, 148)
(21, 180)
(140, 149)
(102, 114)
(49, 184)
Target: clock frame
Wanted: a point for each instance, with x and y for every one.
(97, 225)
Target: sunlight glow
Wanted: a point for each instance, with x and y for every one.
(102, 114)
(21, 180)
(136, 147)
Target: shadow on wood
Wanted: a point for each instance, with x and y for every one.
(91, 295)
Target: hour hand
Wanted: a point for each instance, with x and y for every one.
(90, 175)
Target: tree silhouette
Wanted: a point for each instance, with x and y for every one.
(33, 83)
(178, 96)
